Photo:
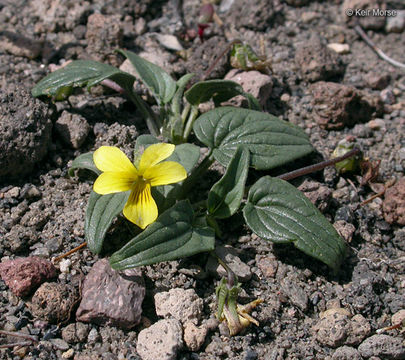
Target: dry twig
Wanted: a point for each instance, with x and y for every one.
(377, 50)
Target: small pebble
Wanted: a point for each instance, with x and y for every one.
(339, 48)
(68, 354)
(64, 265)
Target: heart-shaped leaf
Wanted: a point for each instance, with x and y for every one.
(226, 195)
(279, 212)
(101, 211)
(171, 237)
(158, 81)
(272, 142)
(219, 91)
(84, 161)
(80, 73)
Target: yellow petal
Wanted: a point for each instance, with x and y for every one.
(167, 172)
(155, 154)
(113, 182)
(110, 158)
(140, 208)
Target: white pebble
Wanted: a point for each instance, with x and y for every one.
(64, 265)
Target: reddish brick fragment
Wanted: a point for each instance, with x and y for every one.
(24, 275)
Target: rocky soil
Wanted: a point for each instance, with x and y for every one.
(324, 78)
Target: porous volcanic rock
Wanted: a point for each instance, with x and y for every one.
(25, 132)
(22, 275)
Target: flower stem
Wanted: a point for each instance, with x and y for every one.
(196, 175)
(150, 118)
(316, 167)
(190, 122)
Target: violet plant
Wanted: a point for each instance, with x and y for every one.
(155, 196)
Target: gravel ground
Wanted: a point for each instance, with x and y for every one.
(332, 92)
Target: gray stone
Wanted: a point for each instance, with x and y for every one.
(104, 35)
(396, 23)
(253, 82)
(194, 336)
(75, 333)
(336, 105)
(345, 229)
(346, 353)
(72, 129)
(203, 55)
(160, 341)
(332, 329)
(111, 298)
(60, 344)
(20, 45)
(257, 16)
(183, 305)
(296, 294)
(320, 195)
(93, 336)
(377, 81)
(25, 133)
(53, 302)
(394, 203)
(230, 255)
(387, 96)
(383, 346)
(316, 61)
(358, 329)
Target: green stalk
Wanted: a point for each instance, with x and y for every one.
(185, 112)
(150, 118)
(196, 175)
(190, 122)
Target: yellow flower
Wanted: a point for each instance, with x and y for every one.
(119, 174)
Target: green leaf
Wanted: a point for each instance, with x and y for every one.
(175, 124)
(171, 237)
(272, 142)
(187, 155)
(80, 73)
(158, 81)
(84, 161)
(226, 195)
(100, 213)
(279, 212)
(219, 91)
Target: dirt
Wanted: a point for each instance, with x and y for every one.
(42, 209)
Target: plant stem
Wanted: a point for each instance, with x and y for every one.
(185, 112)
(232, 279)
(150, 118)
(316, 167)
(196, 175)
(377, 50)
(70, 252)
(212, 67)
(190, 122)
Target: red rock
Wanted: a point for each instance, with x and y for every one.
(23, 275)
